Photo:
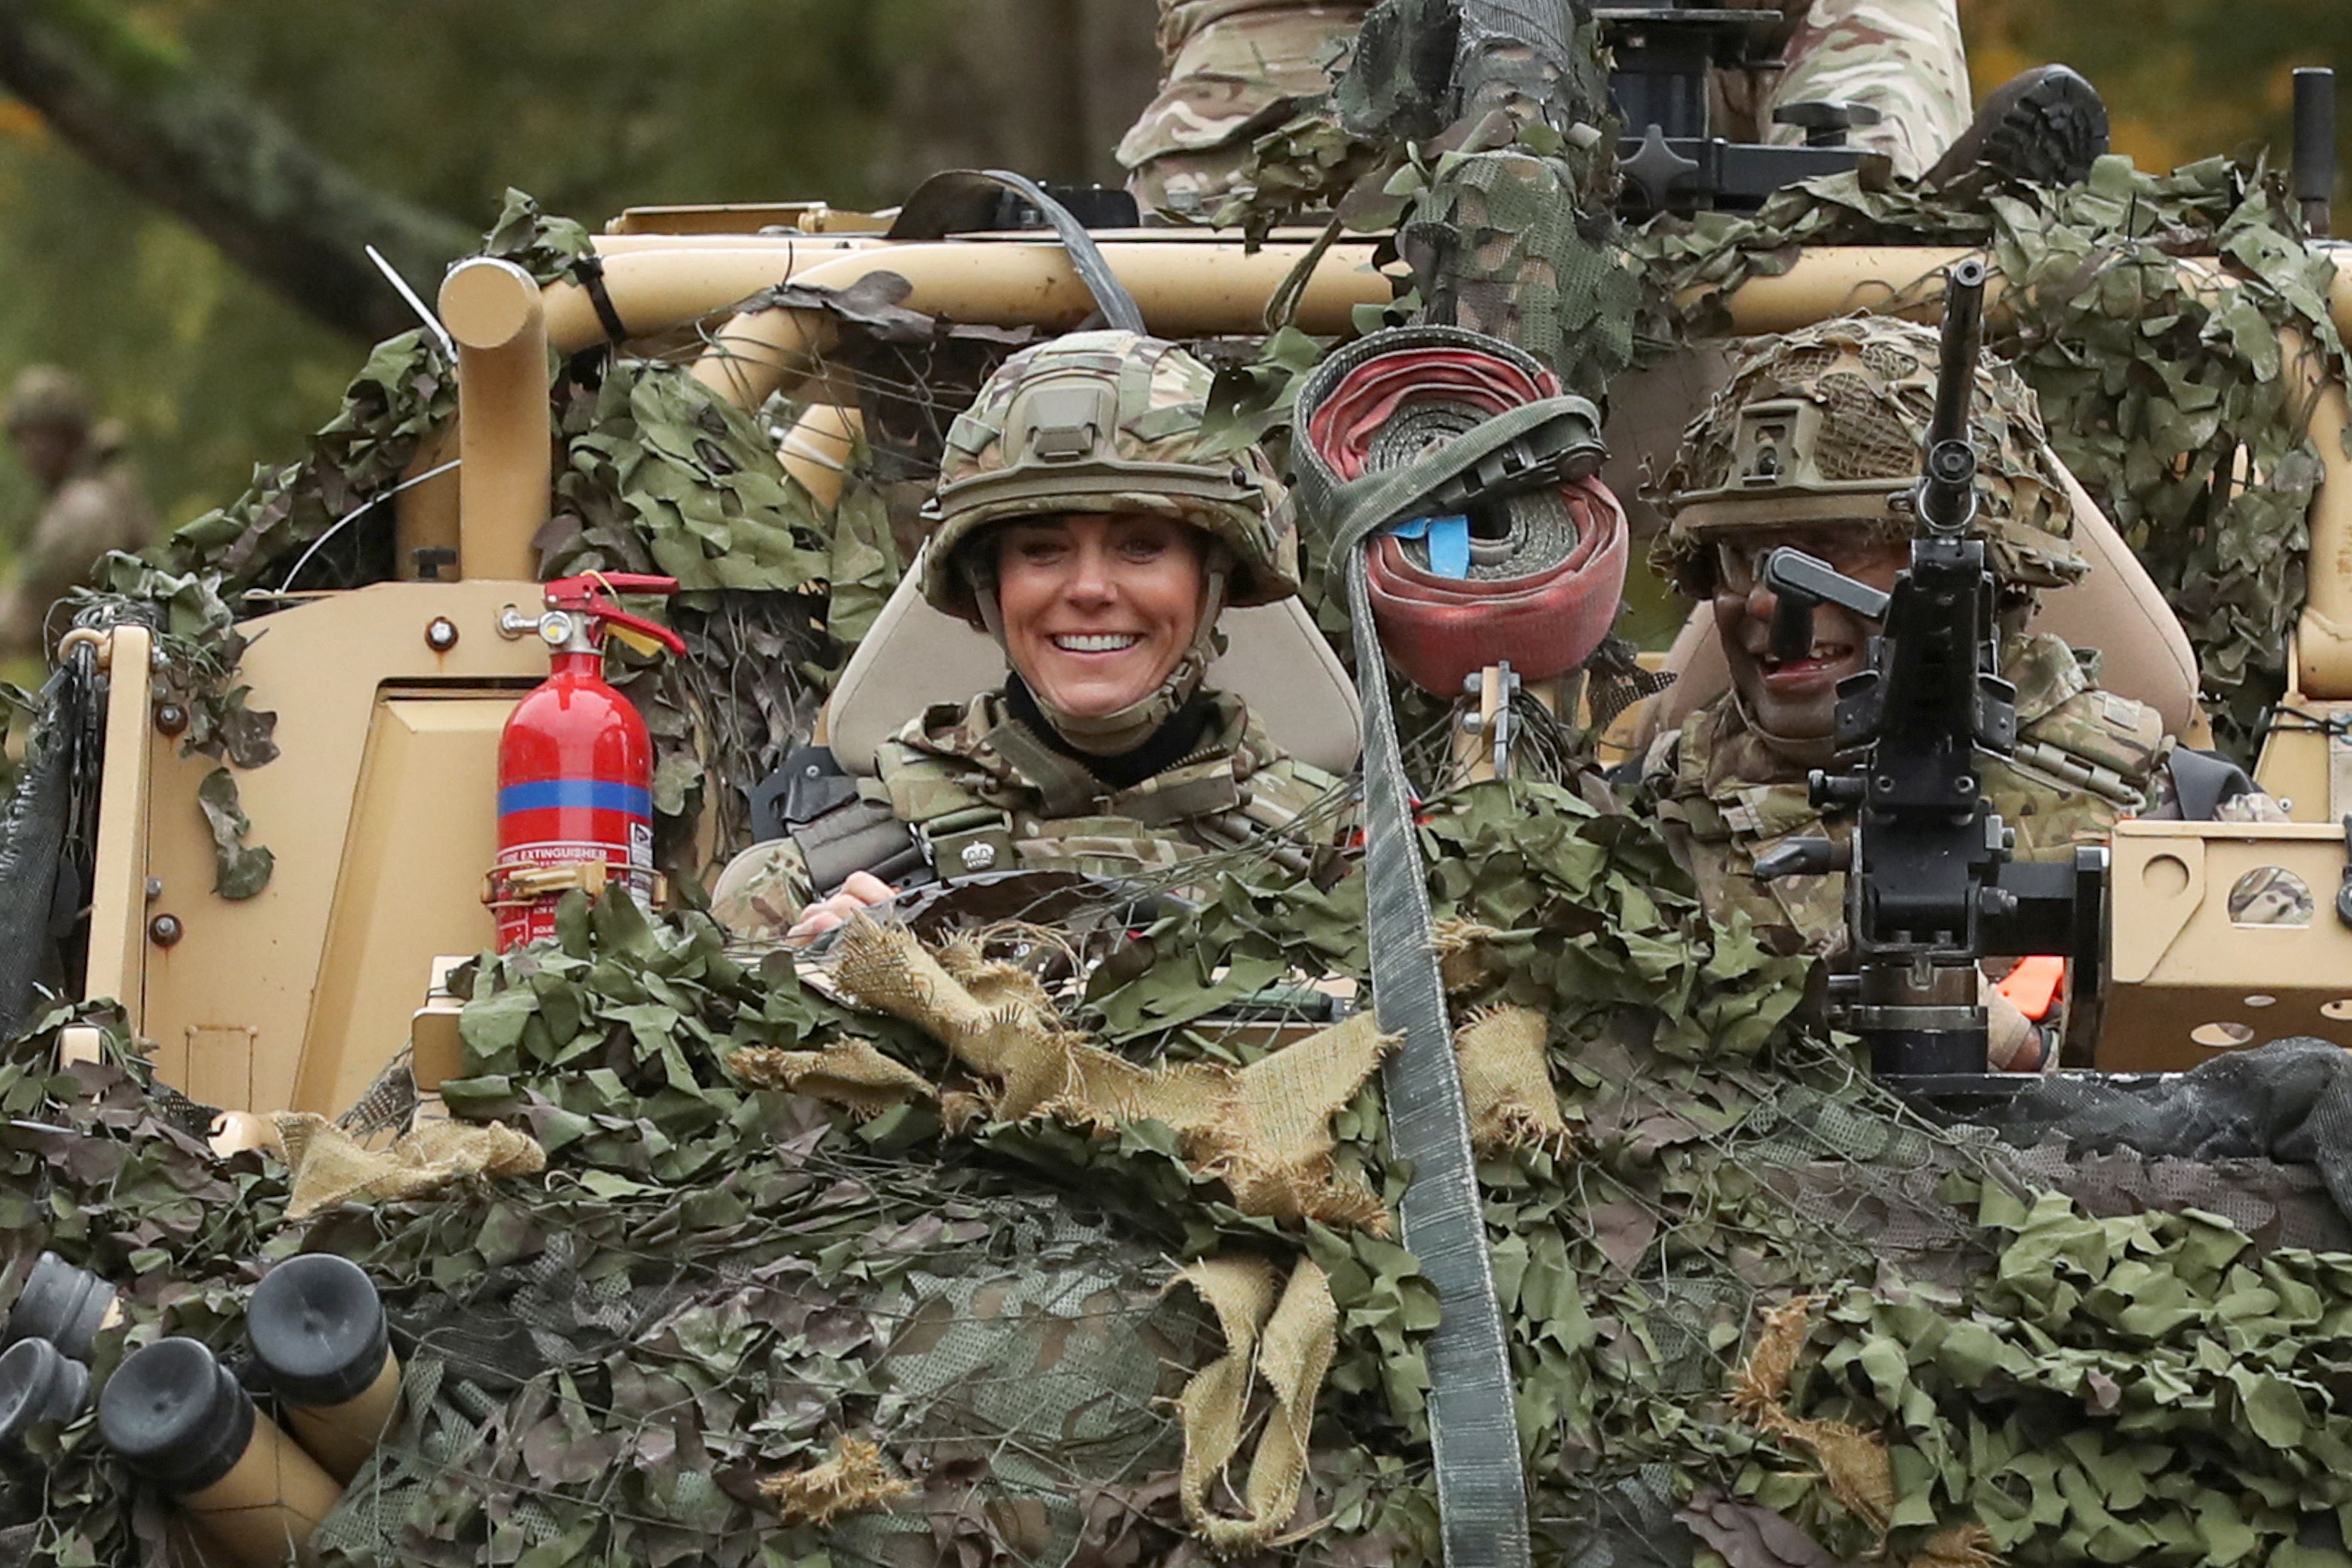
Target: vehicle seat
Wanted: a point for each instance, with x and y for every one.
(2115, 608)
(1275, 660)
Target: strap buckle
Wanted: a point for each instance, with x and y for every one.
(972, 842)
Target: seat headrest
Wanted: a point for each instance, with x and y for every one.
(1275, 660)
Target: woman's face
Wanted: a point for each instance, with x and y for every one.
(1098, 608)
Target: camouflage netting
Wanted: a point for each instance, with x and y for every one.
(942, 1252)
(967, 1252)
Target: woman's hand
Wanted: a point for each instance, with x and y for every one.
(861, 892)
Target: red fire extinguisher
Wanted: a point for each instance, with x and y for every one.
(575, 764)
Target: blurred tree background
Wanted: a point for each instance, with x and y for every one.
(592, 107)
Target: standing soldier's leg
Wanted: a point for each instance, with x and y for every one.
(1902, 57)
(1227, 70)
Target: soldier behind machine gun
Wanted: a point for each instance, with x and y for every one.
(1816, 444)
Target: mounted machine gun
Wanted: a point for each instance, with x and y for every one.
(1931, 888)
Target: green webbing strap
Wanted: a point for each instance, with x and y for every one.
(1068, 788)
(1356, 508)
(1472, 1421)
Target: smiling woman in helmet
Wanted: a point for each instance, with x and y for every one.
(1087, 521)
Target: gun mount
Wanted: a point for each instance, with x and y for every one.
(1658, 82)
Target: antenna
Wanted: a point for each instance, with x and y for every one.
(400, 286)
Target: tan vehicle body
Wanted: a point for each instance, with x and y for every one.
(391, 697)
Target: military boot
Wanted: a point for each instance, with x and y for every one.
(2047, 126)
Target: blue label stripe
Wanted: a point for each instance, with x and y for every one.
(592, 795)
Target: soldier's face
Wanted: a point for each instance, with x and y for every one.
(1796, 698)
(1098, 608)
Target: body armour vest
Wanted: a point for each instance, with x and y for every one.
(983, 793)
(978, 791)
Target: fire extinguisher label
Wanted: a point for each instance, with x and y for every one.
(530, 919)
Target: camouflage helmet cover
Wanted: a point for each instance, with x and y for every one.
(1827, 425)
(1105, 422)
(45, 395)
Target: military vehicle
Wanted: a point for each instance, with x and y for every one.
(701, 1255)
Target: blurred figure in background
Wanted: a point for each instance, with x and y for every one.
(92, 502)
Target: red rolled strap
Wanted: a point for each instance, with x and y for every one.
(1439, 631)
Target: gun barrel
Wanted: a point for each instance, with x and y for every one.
(1946, 493)
(2314, 146)
(1964, 287)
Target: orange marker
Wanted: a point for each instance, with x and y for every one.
(2035, 987)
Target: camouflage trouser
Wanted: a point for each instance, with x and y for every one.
(761, 892)
(1902, 57)
(1221, 65)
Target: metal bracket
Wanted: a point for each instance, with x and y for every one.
(1492, 689)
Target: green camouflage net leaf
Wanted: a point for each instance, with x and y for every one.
(240, 869)
(544, 247)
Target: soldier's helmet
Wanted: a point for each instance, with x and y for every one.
(1105, 422)
(46, 396)
(1827, 425)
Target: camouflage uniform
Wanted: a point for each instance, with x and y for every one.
(1902, 57)
(1093, 422)
(2085, 758)
(1230, 70)
(983, 795)
(95, 506)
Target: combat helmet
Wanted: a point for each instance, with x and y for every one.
(1827, 424)
(1104, 422)
(46, 396)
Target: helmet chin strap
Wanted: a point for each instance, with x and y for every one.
(1113, 734)
(1806, 751)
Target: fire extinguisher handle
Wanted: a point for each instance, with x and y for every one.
(572, 593)
(592, 593)
(659, 633)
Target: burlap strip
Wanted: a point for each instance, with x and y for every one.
(330, 1168)
(1287, 1343)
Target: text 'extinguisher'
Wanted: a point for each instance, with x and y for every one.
(575, 764)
